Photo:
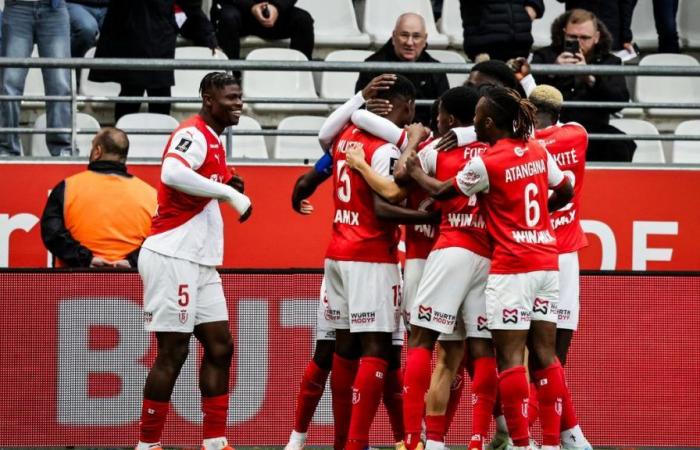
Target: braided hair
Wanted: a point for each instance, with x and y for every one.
(216, 80)
(510, 111)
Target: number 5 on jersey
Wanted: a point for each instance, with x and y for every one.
(343, 190)
(183, 296)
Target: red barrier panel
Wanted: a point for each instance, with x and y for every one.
(74, 359)
(635, 219)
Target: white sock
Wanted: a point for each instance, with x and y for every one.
(501, 425)
(214, 443)
(573, 436)
(147, 445)
(549, 447)
(297, 437)
(434, 445)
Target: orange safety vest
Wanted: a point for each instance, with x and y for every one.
(108, 213)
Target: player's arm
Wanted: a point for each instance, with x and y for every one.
(456, 137)
(418, 171)
(378, 174)
(562, 189)
(473, 178)
(415, 134)
(186, 154)
(337, 120)
(381, 127)
(307, 183)
(398, 214)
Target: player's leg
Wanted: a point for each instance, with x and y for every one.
(393, 389)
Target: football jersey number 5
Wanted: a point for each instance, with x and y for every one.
(343, 190)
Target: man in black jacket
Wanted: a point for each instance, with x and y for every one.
(274, 19)
(615, 14)
(408, 44)
(500, 28)
(580, 29)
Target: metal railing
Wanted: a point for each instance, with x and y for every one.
(316, 66)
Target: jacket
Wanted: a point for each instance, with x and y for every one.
(428, 86)
(615, 14)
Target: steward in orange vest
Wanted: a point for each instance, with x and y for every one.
(99, 217)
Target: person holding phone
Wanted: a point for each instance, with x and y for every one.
(579, 38)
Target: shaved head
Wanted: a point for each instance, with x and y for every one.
(110, 144)
(409, 37)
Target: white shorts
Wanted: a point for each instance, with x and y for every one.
(450, 297)
(363, 296)
(568, 291)
(412, 273)
(179, 294)
(513, 300)
(324, 330)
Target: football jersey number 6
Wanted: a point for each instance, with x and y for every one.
(343, 182)
(532, 208)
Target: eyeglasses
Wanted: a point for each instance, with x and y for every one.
(415, 36)
(574, 37)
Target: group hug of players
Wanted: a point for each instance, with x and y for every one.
(489, 197)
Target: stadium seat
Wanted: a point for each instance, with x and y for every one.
(643, 26)
(187, 81)
(298, 147)
(451, 23)
(689, 23)
(247, 146)
(271, 84)
(380, 17)
(335, 26)
(647, 151)
(542, 28)
(449, 56)
(83, 141)
(341, 85)
(668, 89)
(143, 145)
(687, 152)
(93, 88)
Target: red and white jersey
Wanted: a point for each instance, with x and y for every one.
(186, 226)
(462, 224)
(357, 233)
(514, 177)
(420, 238)
(567, 143)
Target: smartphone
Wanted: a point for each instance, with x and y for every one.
(571, 46)
(266, 13)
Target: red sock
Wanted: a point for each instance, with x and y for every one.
(311, 390)
(533, 406)
(513, 387)
(484, 388)
(342, 376)
(456, 390)
(153, 415)
(366, 395)
(435, 427)
(393, 402)
(568, 413)
(416, 381)
(550, 391)
(215, 410)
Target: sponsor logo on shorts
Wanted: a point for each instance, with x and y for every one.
(329, 335)
(331, 314)
(183, 316)
(425, 313)
(443, 318)
(482, 323)
(510, 316)
(362, 318)
(147, 317)
(564, 314)
(355, 396)
(541, 306)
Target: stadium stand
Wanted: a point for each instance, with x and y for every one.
(83, 141)
(380, 17)
(146, 146)
(335, 26)
(647, 151)
(687, 152)
(668, 89)
(451, 23)
(689, 23)
(339, 85)
(449, 56)
(247, 146)
(298, 147)
(643, 27)
(187, 81)
(96, 89)
(541, 28)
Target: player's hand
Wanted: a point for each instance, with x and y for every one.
(122, 264)
(378, 84)
(417, 132)
(305, 208)
(355, 157)
(379, 106)
(448, 141)
(520, 66)
(246, 215)
(237, 183)
(98, 262)
(412, 163)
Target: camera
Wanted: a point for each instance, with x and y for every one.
(571, 46)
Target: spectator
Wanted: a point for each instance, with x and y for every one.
(140, 29)
(86, 19)
(615, 14)
(276, 19)
(500, 28)
(665, 12)
(196, 27)
(580, 28)
(44, 23)
(99, 217)
(408, 44)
